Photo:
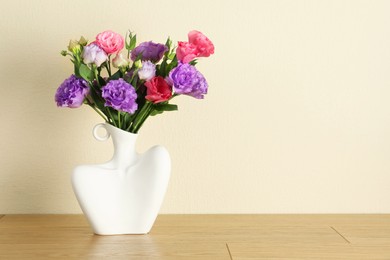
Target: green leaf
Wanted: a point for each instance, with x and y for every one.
(116, 75)
(134, 82)
(165, 107)
(85, 72)
(172, 65)
(171, 56)
(193, 63)
(155, 112)
(102, 82)
(161, 69)
(133, 42)
(168, 43)
(97, 99)
(113, 113)
(162, 107)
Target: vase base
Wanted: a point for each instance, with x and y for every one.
(120, 233)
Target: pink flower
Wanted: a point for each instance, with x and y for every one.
(204, 46)
(110, 41)
(186, 52)
(158, 90)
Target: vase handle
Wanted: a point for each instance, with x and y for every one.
(95, 132)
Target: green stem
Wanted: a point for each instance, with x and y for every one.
(95, 72)
(133, 119)
(174, 95)
(97, 110)
(143, 115)
(119, 120)
(111, 117)
(100, 113)
(109, 66)
(128, 128)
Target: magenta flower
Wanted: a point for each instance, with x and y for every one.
(149, 51)
(120, 95)
(72, 92)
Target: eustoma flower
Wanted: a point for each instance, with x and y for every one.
(186, 52)
(72, 92)
(120, 95)
(149, 51)
(187, 80)
(203, 44)
(158, 90)
(110, 41)
(94, 54)
(198, 45)
(147, 71)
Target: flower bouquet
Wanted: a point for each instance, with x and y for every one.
(145, 79)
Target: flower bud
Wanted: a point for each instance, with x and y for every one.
(120, 61)
(83, 41)
(74, 46)
(138, 64)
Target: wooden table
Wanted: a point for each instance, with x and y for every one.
(201, 237)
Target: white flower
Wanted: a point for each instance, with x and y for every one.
(147, 71)
(94, 54)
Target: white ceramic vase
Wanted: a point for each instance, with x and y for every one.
(124, 195)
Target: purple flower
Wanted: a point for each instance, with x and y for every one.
(94, 54)
(120, 95)
(149, 51)
(71, 92)
(187, 80)
(148, 70)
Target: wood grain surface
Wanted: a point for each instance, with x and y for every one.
(201, 237)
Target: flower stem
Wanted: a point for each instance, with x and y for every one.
(119, 119)
(100, 113)
(109, 66)
(111, 117)
(95, 72)
(142, 116)
(97, 110)
(174, 95)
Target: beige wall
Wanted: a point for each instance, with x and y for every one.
(297, 118)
